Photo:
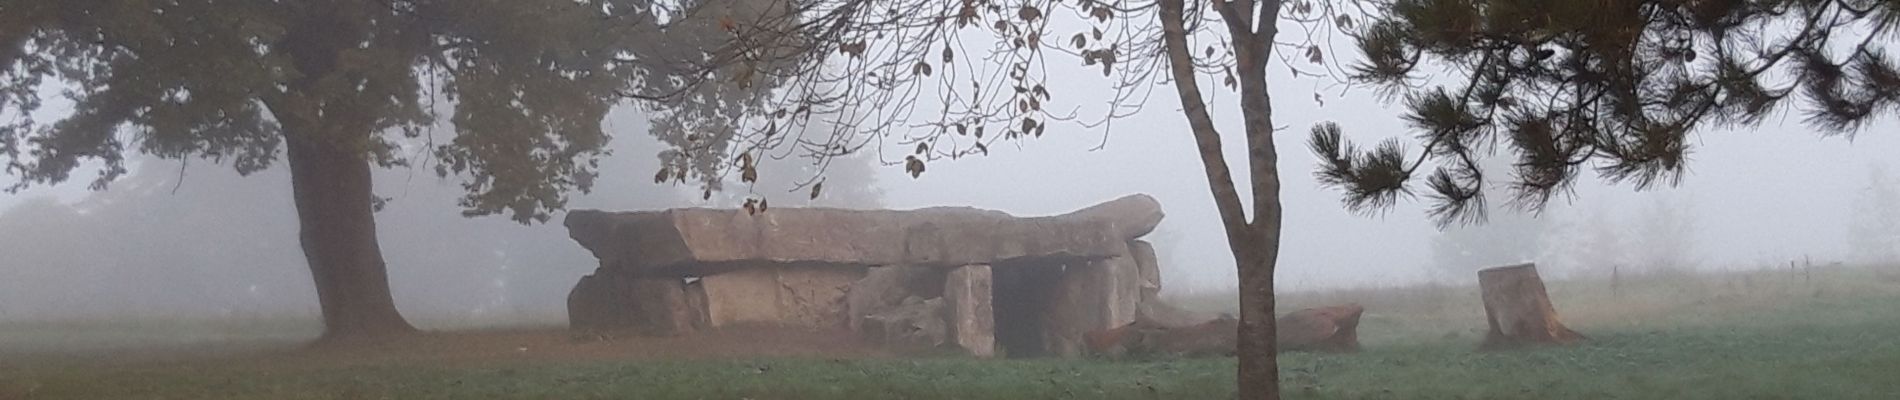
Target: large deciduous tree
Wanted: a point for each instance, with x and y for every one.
(900, 73)
(1618, 86)
(339, 87)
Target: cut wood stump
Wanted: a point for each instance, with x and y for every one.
(1519, 309)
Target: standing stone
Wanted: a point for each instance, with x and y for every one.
(605, 302)
(662, 306)
(915, 323)
(1123, 280)
(599, 303)
(696, 301)
(815, 297)
(1090, 297)
(880, 290)
(971, 317)
(1149, 266)
(794, 296)
(746, 295)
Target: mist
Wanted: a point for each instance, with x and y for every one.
(196, 240)
(1756, 197)
(1768, 268)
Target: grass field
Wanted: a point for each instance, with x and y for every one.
(1829, 334)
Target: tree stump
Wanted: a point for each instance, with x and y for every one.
(1519, 310)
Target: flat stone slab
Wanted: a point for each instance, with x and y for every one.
(653, 241)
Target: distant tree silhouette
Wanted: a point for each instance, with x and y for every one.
(1874, 235)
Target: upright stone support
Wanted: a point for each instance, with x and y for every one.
(1150, 267)
(663, 307)
(881, 289)
(1091, 297)
(765, 293)
(605, 302)
(599, 303)
(966, 289)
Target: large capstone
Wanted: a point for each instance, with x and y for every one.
(674, 241)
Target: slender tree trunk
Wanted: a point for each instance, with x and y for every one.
(333, 196)
(1258, 339)
(1255, 244)
(1259, 256)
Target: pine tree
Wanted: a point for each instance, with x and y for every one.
(1617, 86)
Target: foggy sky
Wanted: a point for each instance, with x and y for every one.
(1759, 196)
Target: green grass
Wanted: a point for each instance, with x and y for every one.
(1833, 337)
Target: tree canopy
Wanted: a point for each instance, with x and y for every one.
(528, 83)
(336, 88)
(1615, 86)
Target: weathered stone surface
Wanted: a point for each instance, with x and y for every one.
(662, 307)
(1324, 329)
(812, 297)
(1159, 313)
(1216, 337)
(1134, 215)
(1152, 318)
(966, 293)
(915, 323)
(696, 300)
(665, 241)
(597, 303)
(870, 271)
(745, 295)
(649, 306)
(1149, 266)
(882, 289)
(1086, 298)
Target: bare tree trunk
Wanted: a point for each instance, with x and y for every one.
(1255, 244)
(333, 197)
(1258, 340)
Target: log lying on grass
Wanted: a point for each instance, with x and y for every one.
(1214, 337)
(1332, 329)
(1519, 309)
